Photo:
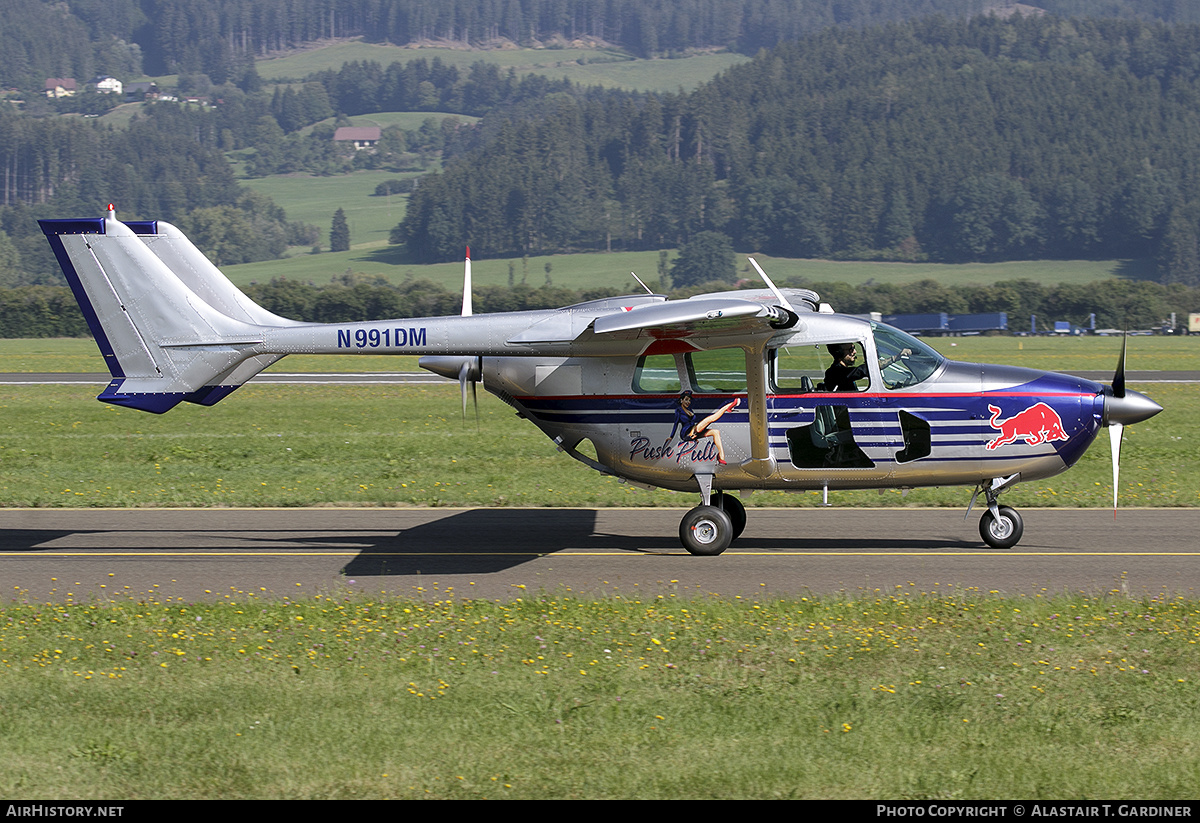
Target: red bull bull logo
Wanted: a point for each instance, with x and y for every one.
(1035, 425)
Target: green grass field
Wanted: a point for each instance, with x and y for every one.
(939, 696)
(578, 271)
(612, 68)
(278, 445)
(274, 445)
(313, 200)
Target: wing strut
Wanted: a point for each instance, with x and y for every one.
(761, 463)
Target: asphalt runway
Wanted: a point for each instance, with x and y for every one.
(49, 555)
(58, 555)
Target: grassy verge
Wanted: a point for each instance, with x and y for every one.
(905, 696)
(278, 445)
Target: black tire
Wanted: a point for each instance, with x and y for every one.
(733, 507)
(1003, 533)
(706, 530)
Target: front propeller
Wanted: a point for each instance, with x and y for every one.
(1123, 408)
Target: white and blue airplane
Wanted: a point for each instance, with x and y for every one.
(733, 391)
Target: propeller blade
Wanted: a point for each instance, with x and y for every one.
(1115, 430)
(464, 377)
(783, 301)
(1118, 383)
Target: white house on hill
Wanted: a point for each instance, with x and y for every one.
(363, 137)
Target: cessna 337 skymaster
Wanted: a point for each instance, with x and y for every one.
(716, 393)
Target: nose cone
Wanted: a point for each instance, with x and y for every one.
(1134, 407)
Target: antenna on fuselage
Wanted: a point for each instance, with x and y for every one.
(783, 300)
(640, 283)
(469, 371)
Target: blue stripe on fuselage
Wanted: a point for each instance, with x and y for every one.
(958, 420)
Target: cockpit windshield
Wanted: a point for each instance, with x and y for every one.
(904, 360)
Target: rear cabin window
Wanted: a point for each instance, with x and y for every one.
(656, 374)
(718, 371)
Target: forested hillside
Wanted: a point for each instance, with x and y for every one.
(220, 38)
(938, 138)
(986, 139)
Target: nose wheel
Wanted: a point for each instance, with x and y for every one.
(1003, 529)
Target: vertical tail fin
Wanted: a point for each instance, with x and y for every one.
(162, 341)
(467, 307)
(196, 271)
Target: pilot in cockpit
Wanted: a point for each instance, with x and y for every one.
(843, 375)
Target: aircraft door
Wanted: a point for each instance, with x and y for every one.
(822, 426)
(934, 408)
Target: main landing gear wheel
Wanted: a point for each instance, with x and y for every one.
(734, 508)
(1004, 532)
(706, 530)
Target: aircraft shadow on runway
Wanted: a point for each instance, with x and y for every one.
(36, 540)
(490, 540)
(481, 541)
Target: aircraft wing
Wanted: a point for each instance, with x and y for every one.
(702, 317)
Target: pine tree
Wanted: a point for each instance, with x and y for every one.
(706, 257)
(339, 232)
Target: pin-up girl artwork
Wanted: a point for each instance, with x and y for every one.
(691, 431)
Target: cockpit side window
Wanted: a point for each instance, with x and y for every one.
(811, 367)
(847, 370)
(903, 359)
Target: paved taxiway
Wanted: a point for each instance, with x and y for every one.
(56, 555)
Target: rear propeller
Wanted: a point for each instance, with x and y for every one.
(470, 370)
(466, 369)
(469, 373)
